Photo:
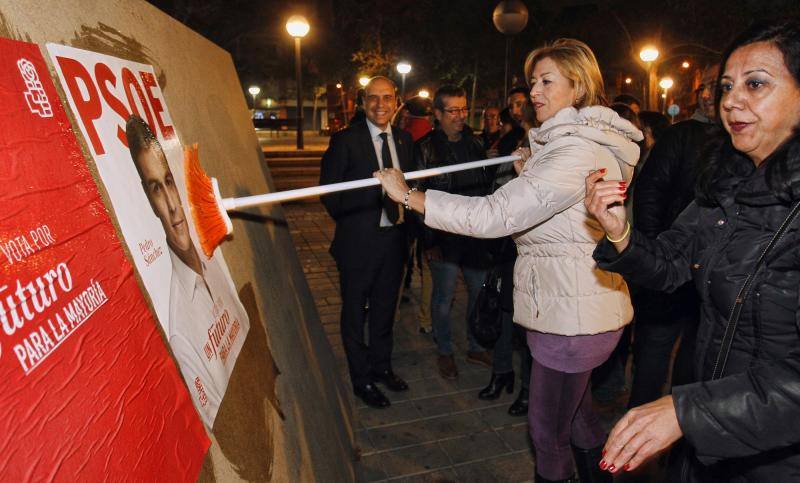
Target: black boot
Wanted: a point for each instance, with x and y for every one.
(520, 406)
(540, 479)
(496, 385)
(586, 462)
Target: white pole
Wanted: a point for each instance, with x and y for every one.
(248, 201)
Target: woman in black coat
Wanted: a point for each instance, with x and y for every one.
(741, 422)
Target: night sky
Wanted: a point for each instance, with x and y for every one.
(452, 40)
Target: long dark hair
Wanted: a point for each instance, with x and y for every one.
(782, 171)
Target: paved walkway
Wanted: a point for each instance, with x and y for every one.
(439, 430)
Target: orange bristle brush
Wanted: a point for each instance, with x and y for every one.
(210, 209)
(212, 223)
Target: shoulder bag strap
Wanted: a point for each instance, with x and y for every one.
(744, 292)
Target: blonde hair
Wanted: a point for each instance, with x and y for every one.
(577, 62)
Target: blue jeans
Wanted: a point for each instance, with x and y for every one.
(444, 276)
(504, 348)
(504, 353)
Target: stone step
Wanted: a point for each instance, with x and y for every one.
(295, 171)
(269, 154)
(292, 162)
(284, 183)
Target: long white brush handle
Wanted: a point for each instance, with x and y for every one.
(247, 201)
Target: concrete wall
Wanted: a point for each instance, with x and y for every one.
(286, 415)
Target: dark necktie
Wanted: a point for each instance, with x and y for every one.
(391, 208)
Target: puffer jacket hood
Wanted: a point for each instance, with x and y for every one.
(598, 124)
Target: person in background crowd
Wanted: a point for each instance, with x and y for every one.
(369, 244)
(664, 188)
(491, 129)
(653, 125)
(626, 112)
(629, 100)
(418, 123)
(608, 380)
(400, 119)
(511, 140)
(504, 255)
(574, 311)
(506, 122)
(452, 142)
(420, 112)
(517, 98)
(741, 419)
(358, 114)
(414, 118)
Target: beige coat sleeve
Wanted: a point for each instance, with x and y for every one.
(548, 184)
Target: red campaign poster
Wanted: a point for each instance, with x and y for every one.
(88, 389)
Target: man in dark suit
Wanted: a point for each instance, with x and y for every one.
(369, 244)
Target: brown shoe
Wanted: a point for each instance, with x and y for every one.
(447, 367)
(481, 358)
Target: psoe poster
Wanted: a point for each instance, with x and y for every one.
(89, 391)
(123, 116)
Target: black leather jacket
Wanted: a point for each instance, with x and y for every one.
(663, 189)
(665, 185)
(744, 426)
(433, 150)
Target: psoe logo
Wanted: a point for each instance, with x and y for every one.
(35, 95)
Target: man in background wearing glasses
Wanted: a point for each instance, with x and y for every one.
(452, 142)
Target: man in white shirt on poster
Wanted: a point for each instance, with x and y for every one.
(207, 324)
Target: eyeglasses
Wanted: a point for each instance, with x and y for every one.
(454, 111)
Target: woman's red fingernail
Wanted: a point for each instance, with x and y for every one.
(603, 464)
(612, 469)
(626, 467)
(603, 170)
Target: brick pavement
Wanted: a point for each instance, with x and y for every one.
(439, 430)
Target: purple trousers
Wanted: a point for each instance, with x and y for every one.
(560, 413)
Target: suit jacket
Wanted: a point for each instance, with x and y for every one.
(351, 156)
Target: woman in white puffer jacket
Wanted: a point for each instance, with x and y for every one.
(574, 312)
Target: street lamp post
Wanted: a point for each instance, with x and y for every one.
(510, 17)
(298, 27)
(254, 91)
(649, 55)
(403, 68)
(666, 83)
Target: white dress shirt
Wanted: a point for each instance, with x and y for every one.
(377, 143)
(205, 347)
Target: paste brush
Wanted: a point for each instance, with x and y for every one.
(210, 210)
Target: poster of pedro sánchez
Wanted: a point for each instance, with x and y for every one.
(88, 387)
(124, 119)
